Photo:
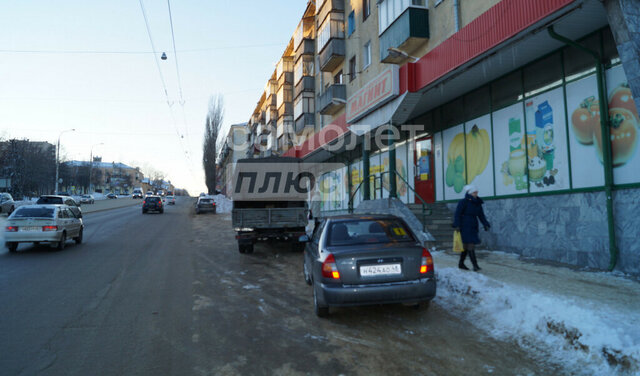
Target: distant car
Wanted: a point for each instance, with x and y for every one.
(357, 260)
(87, 199)
(205, 204)
(152, 203)
(171, 200)
(112, 196)
(137, 193)
(61, 200)
(53, 224)
(149, 193)
(7, 205)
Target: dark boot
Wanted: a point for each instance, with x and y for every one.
(461, 264)
(474, 261)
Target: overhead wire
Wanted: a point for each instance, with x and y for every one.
(164, 86)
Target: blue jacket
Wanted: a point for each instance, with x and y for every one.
(468, 212)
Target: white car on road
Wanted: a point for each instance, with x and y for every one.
(53, 224)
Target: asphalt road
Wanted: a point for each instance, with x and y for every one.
(169, 294)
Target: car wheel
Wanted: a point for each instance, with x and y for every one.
(161, 211)
(321, 311)
(13, 247)
(144, 212)
(305, 272)
(422, 306)
(62, 242)
(78, 239)
(197, 211)
(242, 248)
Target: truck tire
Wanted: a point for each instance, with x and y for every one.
(245, 248)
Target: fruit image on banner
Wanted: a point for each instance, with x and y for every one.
(624, 128)
(478, 152)
(584, 120)
(455, 175)
(454, 160)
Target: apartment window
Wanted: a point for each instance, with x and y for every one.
(366, 9)
(352, 69)
(390, 10)
(304, 104)
(337, 79)
(366, 55)
(304, 67)
(351, 27)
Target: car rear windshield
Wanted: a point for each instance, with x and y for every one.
(33, 213)
(368, 231)
(153, 199)
(205, 201)
(49, 200)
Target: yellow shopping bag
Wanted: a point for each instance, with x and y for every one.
(457, 242)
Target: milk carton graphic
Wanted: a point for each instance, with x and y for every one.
(544, 132)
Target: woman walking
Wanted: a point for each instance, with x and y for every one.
(468, 212)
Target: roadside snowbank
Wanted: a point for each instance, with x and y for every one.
(587, 338)
(223, 204)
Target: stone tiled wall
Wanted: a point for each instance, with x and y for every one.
(567, 228)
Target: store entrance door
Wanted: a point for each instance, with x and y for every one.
(424, 170)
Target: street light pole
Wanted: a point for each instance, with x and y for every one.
(91, 165)
(58, 156)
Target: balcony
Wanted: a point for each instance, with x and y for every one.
(286, 109)
(333, 100)
(332, 55)
(307, 83)
(306, 120)
(327, 7)
(285, 78)
(407, 33)
(307, 47)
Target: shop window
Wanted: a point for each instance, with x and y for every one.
(542, 75)
(611, 55)
(506, 90)
(577, 62)
(453, 112)
(477, 103)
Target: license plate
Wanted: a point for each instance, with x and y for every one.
(382, 269)
(30, 228)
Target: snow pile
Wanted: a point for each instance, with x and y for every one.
(587, 339)
(223, 204)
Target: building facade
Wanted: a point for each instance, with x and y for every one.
(512, 96)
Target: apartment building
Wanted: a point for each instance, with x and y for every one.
(234, 148)
(513, 96)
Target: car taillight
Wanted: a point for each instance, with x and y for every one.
(49, 228)
(144, 202)
(427, 262)
(329, 268)
(214, 204)
(11, 229)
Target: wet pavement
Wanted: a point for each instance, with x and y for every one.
(169, 294)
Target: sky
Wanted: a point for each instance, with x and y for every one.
(89, 66)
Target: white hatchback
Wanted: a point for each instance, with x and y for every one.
(53, 224)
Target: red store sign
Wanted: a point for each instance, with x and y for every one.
(374, 94)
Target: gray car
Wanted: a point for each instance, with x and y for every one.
(53, 224)
(61, 200)
(7, 205)
(358, 260)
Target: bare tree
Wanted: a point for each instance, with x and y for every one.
(215, 116)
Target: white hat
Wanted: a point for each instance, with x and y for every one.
(470, 189)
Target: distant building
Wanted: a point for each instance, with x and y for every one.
(235, 147)
(105, 177)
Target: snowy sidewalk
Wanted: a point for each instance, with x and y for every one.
(587, 321)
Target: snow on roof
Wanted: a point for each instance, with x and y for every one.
(101, 164)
